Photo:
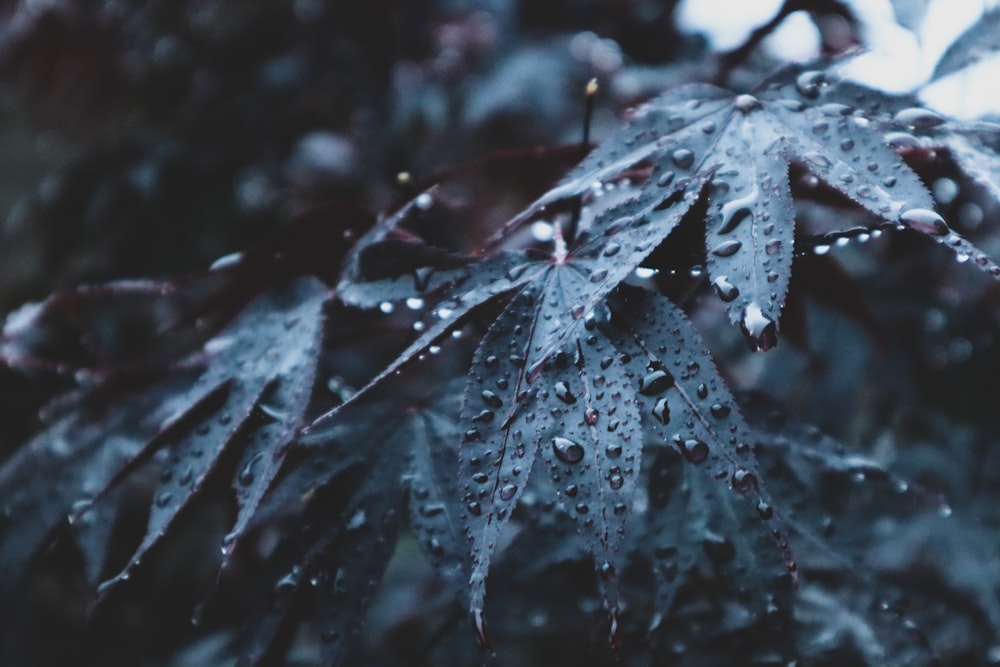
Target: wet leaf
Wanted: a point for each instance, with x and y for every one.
(739, 147)
(334, 566)
(265, 357)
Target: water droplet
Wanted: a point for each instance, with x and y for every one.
(725, 289)
(733, 214)
(590, 417)
(616, 481)
(164, 499)
(720, 411)
(542, 231)
(480, 478)
(656, 382)
(924, 221)
(386, 307)
(423, 201)
(744, 481)
(665, 179)
(817, 160)
(475, 509)
(808, 83)
(846, 144)
(226, 261)
(507, 492)
(484, 416)
(662, 411)
(246, 475)
(479, 623)
(643, 272)
(491, 399)
(772, 247)
(516, 272)
(612, 249)
(821, 249)
(683, 158)
(566, 450)
(563, 393)
(694, 450)
(727, 248)
(614, 450)
(598, 275)
(701, 391)
(746, 103)
(917, 119)
(765, 511)
(414, 303)
(759, 329)
(582, 508)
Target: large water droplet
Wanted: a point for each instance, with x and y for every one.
(598, 275)
(924, 221)
(566, 450)
(507, 492)
(683, 158)
(563, 393)
(744, 481)
(491, 399)
(725, 289)
(760, 330)
(694, 450)
(916, 118)
(727, 248)
(732, 215)
(662, 411)
(746, 103)
(656, 382)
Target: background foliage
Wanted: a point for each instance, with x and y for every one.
(142, 141)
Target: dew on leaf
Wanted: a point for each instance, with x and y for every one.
(683, 158)
(924, 221)
(725, 289)
(656, 382)
(566, 450)
(694, 450)
(661, 410)
(733, 214)
(759, 329)
(491, 399)
(727, 248)
(916, 118)
(598, 275)
(746, 103)
(563, 393)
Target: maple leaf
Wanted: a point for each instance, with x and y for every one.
(346, 497)
(737, 148)
(250, 395)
